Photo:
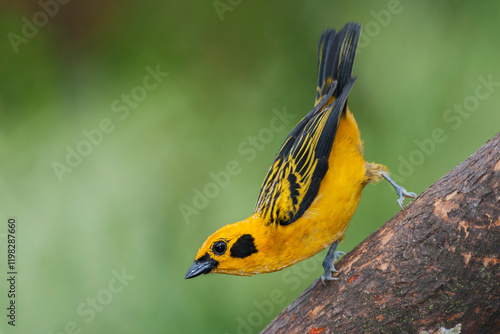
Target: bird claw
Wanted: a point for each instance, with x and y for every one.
(331, 269)
(403, 193)
(327, 277)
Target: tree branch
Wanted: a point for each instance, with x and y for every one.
(434, 264)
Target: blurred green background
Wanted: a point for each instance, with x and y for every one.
(117, 211)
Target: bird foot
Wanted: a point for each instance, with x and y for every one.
(328, 263)
(402, 192)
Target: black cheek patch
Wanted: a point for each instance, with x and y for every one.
(243, 247)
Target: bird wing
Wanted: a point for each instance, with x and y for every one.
(293, 180)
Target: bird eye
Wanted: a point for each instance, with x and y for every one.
(219, 247)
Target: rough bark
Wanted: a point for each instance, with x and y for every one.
(435, 264)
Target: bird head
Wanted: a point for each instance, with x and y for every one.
(233, 250)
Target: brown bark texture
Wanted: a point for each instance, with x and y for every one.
(436, 263)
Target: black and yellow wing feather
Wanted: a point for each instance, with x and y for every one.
(293, 180)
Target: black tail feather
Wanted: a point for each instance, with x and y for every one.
(336, 52)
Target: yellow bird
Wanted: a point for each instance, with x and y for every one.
(313, 187)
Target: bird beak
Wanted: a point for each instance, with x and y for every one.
(203, 265)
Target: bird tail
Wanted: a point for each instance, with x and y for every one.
(336, 52)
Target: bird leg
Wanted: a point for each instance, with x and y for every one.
(328, 262)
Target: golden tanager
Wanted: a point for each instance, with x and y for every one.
(313, 186)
